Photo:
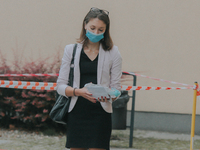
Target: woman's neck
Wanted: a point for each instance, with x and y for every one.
(93, 46)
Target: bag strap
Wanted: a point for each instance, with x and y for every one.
(71, 73)
(74, 52)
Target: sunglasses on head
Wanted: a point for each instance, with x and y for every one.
(99, 10)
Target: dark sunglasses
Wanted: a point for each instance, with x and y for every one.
(99, 10)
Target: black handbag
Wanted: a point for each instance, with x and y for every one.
(59, 112)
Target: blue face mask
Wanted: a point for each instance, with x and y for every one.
(94, 37)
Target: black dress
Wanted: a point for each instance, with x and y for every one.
(89, 125)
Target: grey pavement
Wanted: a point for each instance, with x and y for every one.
(122, 149)
(142, 134)
(4, 141)
(8, 141)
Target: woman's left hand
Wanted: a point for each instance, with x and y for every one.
(103, 99)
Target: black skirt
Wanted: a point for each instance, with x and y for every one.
(89, 125)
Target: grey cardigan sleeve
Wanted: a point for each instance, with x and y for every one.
(116, 69)
(62, 81)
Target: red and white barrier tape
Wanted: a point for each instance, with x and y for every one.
(28, 75)
(198, 91)
(129, 88)
(27, 85)
(131, 73)
(51, 74)
(52, 86)
(198, 94)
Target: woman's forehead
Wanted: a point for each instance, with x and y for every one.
(96, 22)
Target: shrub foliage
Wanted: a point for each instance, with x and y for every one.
(28, 109)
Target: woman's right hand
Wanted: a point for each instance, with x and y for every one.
(84, 93)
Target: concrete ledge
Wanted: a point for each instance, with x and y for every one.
(168, 122)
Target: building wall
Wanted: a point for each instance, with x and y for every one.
(155, 38)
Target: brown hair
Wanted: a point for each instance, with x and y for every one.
(106, 42)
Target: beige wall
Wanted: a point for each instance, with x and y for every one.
(157, 38)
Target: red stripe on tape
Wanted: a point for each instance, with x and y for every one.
(128, 88)
(51, 88)
(138, 88)
(158, 88)
(148, 88)
(19, 83)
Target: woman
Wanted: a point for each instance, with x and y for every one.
(98, 61)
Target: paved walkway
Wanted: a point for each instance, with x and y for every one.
(7, 137)
(122, 149)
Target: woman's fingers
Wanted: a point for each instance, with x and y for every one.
(106, 100)
(102, 99)
(88, 96)
(92, 99)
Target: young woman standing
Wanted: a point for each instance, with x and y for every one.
(98, 61)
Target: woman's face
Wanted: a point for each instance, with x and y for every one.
(96, 26)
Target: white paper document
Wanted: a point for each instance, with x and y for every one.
(98, 92)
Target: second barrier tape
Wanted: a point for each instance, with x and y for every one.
(52, 86)
(125, 72)
(173, 82)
